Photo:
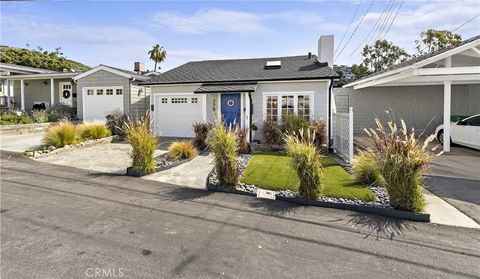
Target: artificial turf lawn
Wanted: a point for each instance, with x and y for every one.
(274, 172)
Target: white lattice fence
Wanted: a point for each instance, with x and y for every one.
(343, 135)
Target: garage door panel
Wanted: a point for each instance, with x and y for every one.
(175, 119)
(98, 106)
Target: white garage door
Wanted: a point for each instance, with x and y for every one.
(99, 101)
(175, 114)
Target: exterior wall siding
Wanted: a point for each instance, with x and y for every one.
(140, 101)
(36, 91)
(420, 106)
(99, 79)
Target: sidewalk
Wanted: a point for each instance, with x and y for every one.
(192, 174)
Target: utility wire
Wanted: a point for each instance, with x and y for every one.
(382, 23)
(351, 21)
(395, 17)
(386, 21)
(468, 21)
(356, 28)
(369, 33)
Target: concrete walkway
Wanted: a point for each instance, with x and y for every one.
(443, 213)
(192, 174)
(19, 143)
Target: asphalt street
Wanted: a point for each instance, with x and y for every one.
(63, 222)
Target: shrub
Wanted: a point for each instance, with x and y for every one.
(115, 122)
(306, 162)
(224, 147)
(58, 112)
(12, 118)
(293, 124)
(272, 132)
(144, 144)
(365, 168)
(60, 135)
(320, 132)
(94, 130)
(180, 150)
(201, 131)
(243, 145)
(39, 116)
(402, 160)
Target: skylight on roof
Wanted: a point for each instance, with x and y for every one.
(274, 63)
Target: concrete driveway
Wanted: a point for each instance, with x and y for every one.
(460, 162)
(19, 143)
(60, 222)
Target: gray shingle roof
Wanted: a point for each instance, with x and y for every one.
(131, 73)
(226, 87)
(420, 58)
(26, 68)
(244, 70)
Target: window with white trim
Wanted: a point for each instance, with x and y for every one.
(99, 91)
(179, 100)
(277, 106)
(109, 91)
(195, 100)
(164, 100)
(119, 91)
(272, 108)
(89, 91)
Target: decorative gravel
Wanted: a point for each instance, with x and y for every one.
(243, 159)
(164, 161)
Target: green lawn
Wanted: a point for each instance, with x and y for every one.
(274, 172)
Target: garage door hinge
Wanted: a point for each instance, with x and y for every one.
(151, 107)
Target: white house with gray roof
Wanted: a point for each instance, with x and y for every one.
(242, 91)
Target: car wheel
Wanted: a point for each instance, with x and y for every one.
(440, 137)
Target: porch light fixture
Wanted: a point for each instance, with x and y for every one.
(140, 92)
(45, 82)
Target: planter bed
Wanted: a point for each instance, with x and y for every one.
(44, 151)
(380, 206)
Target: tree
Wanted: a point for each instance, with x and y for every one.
(433, 40)
(382, 55)
(360, 71)
(157, 54)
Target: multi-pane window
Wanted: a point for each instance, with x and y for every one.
(99, 91)
(109, 91)
(89, 91)
(164, 100)
(287, 105)
(194, 100)
(119, 91)
(179, 100)
(272, 108)
(303, 106)
(278, 106)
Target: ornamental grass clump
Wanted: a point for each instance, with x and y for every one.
(64, 133)
(272, 132)
(306, 162)
(144, 144)
(93, 130)
(115, 122)
(365, 168)
(223, 143)
(402, 159)
(201, 131)
(181, 150)
(243, 145)
(293, 124)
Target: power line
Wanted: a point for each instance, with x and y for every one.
(371, 30)
(468, 21)
(351, 21)
(395, 17)
(382, 23)
(387, 19)
(355, 30)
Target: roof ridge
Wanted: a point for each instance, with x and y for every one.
(254, 58)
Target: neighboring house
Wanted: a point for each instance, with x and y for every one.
(7, 87)
(425, 91)
(242, 91)
(91, 94)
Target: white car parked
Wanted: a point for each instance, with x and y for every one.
(464, 132)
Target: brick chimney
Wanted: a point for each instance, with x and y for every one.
(139, 67)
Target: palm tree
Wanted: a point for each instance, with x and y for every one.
(157, 54)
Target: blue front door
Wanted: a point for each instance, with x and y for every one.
(231, 112)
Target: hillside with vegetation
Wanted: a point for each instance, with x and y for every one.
(51, 60)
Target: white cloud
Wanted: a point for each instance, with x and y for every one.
(229, 21)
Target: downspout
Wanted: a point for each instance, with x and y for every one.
(132, 79)
(250, 116)
(330, 114)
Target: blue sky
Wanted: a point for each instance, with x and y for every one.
(117, 33)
